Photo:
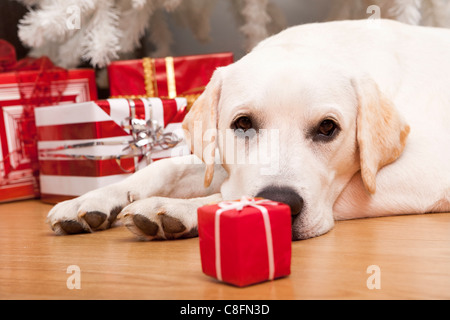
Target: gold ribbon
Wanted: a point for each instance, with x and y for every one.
(151, 87)
(170, 72)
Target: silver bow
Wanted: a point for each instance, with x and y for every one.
(147, 135)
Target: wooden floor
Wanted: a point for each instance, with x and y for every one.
(412, 253)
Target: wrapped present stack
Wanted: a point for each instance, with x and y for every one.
(26, 85)
(87, 145)
(58, 141)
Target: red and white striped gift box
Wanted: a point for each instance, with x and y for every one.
(68, 170)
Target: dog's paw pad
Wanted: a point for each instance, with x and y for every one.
(71, 227)
(160, 218)
(171, 225)
(114, 213)
(191, 233)
(94, 218)
(145, 225)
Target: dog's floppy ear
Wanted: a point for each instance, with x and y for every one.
(200, 125)
(381, 132)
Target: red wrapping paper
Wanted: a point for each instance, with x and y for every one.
(243, 243)
(64, 176)
(131, 78)
(20, 92)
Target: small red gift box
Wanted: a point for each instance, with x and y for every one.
(85, 146)
(168, 77)
(18, 159)
(245, 242)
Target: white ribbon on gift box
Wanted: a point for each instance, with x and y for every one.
(239, 206)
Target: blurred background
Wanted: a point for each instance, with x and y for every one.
(226, 36)
(223, 35)
(105, 30)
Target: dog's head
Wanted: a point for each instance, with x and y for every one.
(294, 131)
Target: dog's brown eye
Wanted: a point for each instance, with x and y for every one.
(327, 127)
(244, 123)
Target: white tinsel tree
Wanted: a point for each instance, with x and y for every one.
(99, 31)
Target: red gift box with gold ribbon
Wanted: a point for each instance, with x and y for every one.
(24, 86)
(89, 145)
(170, 77)
(245, 242)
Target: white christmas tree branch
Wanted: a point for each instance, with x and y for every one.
(134, 22)
(40, 26)
(99, 31)
(256, 20)
(101, 43)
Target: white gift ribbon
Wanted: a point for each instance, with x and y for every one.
(239, 205)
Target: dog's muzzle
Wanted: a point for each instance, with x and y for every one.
(286, 195)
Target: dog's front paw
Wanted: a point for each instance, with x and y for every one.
(96, 210)
(161, 218)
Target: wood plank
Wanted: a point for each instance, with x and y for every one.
(412, 252)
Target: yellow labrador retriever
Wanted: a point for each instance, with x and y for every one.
(339, 120)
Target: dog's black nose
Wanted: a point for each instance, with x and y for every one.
(283, 194)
